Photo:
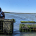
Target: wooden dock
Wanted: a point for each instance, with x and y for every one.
(6, 26)
(26, 27)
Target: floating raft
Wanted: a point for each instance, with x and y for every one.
(27, 27)
(6, 26)
(27, 21)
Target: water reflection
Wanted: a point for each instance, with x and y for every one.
(28, 34)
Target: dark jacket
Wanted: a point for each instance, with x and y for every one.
(3, 15)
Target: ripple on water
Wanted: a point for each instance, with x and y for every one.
(18, 18)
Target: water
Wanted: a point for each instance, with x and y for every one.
(18, 18)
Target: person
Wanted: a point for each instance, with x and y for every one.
(2, 15)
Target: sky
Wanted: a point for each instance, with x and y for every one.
(19, 6)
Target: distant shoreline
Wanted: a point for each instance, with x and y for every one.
(23, 13)
(20, 13)
(6, 12)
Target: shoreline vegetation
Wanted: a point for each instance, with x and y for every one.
(19, 13)
(27, 21)
(6, 12)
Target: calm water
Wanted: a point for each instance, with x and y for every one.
(18, 18)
